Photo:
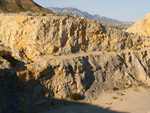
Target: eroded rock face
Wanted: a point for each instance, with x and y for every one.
(50, 35)
(56, 55)
(55, 35)
(141, 27)
(93, 72)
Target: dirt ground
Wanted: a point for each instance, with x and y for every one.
(132, 100)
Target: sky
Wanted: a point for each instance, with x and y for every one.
(123, 10)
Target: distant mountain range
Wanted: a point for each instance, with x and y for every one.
(72, 11)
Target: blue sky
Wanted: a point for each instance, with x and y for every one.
(124, 10)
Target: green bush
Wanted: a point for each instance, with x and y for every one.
(74, 96)
(115, 89)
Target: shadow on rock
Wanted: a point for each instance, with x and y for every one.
(29, 97)
(20, 96)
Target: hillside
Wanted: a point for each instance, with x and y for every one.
(79, 13)
(16, 6)
(141, 27)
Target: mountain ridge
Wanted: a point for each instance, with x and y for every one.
(16, 6)
(105, 20)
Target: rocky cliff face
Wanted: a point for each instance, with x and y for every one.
(141, 27)
(56, 55)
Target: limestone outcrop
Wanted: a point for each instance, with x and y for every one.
(36, 36)
(51, 56)
(141, 27)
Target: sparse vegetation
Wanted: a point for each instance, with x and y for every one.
(109, 103)
(43, 14)
(115, 97)
(122, 94)
(92, 91)
(74, 96)
(115, 89)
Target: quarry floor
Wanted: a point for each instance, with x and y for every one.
(132, 100)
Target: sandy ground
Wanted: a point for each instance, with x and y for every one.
(132, 100)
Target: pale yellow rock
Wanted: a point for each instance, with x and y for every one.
(47, 35)
(148, 16)
(141, 27)
(71, 55)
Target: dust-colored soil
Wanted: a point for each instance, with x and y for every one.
(132, 100)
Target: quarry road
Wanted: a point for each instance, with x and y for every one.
(132, 100)
(84, 54)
